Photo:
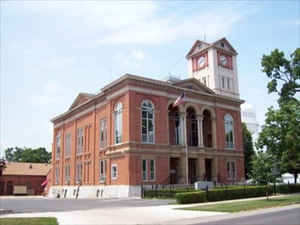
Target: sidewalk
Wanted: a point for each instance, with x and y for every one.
(140, 215)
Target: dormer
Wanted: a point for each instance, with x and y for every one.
(80, 99)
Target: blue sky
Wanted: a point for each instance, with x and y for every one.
(51, 51)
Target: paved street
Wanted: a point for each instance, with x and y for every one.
(92, 212)
(140, 211)
(40, 204)
(284, 217)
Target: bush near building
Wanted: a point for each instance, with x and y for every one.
(238, 192)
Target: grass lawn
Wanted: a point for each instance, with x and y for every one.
(248, 205)
(29, 221)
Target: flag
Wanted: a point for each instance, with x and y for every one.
(44, 183)
(179, 100)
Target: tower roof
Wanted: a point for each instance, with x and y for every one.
(204, 46)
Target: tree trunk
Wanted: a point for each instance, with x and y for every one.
(295, 177)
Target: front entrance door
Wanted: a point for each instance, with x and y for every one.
(9, 188)
(208, 170)
(174, 167)
(192, 171)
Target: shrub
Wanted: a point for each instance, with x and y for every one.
(191, 197)
(165, 193)
(223, 194)
(288, 188)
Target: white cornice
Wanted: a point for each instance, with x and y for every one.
(150, 91)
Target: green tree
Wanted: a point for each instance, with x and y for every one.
(281, 136)
(284, 74)
(248, 149)
(262, 168)
(38, 155)
(281, 133)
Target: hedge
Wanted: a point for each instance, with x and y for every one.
(191, 197)
(165, 193)
(234, 193)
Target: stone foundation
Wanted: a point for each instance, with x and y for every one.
(108, 191)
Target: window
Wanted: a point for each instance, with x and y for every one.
(229, 132)
(177, 129)
(67, 173)
(102, 170)
(144, 169)
(222, 45)
(68, 145)
(118, 123)
(204, 81)
(114, 171)
(228, 83)
(147, 122)
(145, 174)
(79, 173)
(57, 152)
(79, 140)
(56, 175)
(231, 170)
(103, 133)
(223, 82)
(152, 169)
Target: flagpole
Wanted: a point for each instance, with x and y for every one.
(186, 149)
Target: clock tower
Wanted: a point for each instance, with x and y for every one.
(214, 64)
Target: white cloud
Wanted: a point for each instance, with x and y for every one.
(50, 93)
(139, 22)
(133, 58)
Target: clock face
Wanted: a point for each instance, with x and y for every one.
(223, 60)
(201, 61)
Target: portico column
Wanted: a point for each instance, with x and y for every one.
(200, 131)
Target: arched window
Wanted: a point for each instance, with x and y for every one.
(192, 127)
(207, 129)
(229, 131)
(118, 122)
(174, 126)
(147, 122)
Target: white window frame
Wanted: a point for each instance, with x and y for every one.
(229, 126)
(58, 145)
(148, 110)
(145, 178)
(67, 173)
(79, 149)
(103, 130)
(56, 175)
(79, 170)
(114, 176)
(68, 145)
(231, 170)
(118, 123)
(154, 170)
(102, 176)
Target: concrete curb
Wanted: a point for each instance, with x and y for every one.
(5, 211)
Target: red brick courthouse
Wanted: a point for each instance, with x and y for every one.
(108, 144)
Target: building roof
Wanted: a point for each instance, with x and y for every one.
(28, 169)
(177, 85)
